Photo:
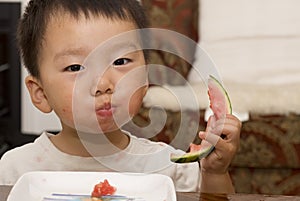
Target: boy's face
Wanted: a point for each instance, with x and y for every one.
(91, 88)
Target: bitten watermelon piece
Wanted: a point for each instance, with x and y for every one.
(102, 189)
(220, 105)
(219, 100)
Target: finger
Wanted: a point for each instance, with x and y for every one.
(231, 128)
(212, 124)
(214, 140)
(228, 145)
(213, 130)
(209, 137)
(228, 125)
(229, 119)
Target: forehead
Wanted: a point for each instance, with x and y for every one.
(101, 23)
(82, 34)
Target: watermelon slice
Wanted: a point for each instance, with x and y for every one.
(219, 100)
(220, 105)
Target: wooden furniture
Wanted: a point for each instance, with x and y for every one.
(4, 191)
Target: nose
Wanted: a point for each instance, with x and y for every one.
(103, 85)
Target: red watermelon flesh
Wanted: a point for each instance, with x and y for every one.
(219, 99)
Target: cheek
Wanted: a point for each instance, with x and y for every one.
(64, 111)
(136, 101)
(62, 106)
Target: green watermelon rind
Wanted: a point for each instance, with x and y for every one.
(197, 155)
(192, 156)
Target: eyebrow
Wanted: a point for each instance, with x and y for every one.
(129, 46)
(70, 52)
(125, 45)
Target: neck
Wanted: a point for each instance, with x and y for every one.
(87, 144)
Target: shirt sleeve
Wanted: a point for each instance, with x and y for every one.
(8, 175)
(187, 177)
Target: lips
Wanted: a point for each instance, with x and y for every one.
(105, 110)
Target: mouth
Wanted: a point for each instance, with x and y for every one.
(105, 110)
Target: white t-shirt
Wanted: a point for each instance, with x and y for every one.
(141, 155)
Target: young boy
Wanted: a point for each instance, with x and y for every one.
(94, 79)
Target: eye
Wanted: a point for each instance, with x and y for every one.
(122, 61)
(74, 68)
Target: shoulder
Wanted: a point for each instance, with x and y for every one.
(16, 156)
(19, 160)
(25, 150)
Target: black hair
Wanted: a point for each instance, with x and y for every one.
(36, 17)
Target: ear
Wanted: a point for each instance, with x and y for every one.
(37, 95)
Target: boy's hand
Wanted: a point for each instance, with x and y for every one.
(215, 166)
